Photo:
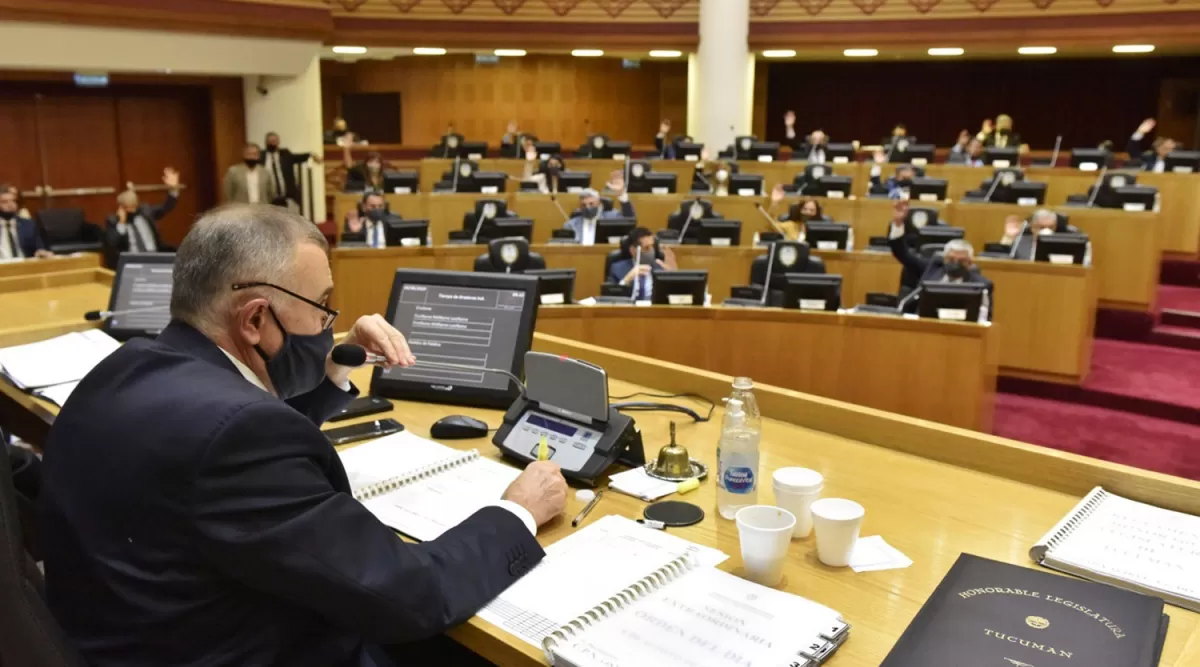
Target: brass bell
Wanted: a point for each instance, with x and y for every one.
(673, 461)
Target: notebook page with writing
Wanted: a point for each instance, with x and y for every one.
(583, 570)
(703, 617)
(392, 456)
(1133, 545)
(57, 360)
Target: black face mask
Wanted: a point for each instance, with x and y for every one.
(956, 270)
(299, 365)
(376, 214)
(553, 170)
(904, 182)
(250, 164)
(271, 148)
(7, 215)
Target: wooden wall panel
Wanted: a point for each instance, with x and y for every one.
(20, 160)
(78, 134)
(228, 117)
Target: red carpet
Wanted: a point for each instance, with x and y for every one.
(1120, 437)
(1176, 297)
(1162, 374)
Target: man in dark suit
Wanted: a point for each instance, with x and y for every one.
(19, 236)
(134, 227)
(1000, 134)
(811, 147)
(640, 257)
(956, 264)
(1154, 159)
(193, 513)
(280, 163)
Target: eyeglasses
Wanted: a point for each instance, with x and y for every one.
(330, 314)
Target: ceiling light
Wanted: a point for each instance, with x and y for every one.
(587, 53)
(779, 53)
(429, 51)
(946, 51)
(510, 53)
(665, 53)
(350, 50)
(860, 53)
(1037, 50)
(1133, 48)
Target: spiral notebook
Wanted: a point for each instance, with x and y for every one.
(1129, 545)
(421, 488)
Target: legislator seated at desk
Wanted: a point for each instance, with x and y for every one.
(1041, 225)
(955, 264)
(187, 485)
(371, 223)
(582, 222)
(19, 237)
(551, 177)
(467, 177)
(634, 263)
(971, 154)
(511, 255)
(1159, 157)
(134, 227)
(1118, 189)
(365, 175)
(1008, 186)
(897, 186)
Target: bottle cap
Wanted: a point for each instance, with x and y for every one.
(798, 480)
(743, 383)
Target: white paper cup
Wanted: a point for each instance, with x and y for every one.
(837, 522)
(765, 532)
(795, 491)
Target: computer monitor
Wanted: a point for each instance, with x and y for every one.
(473, 150)
(807, 291)
(611, 150)
(652, 183)
(955, 302)
(141, 284)
(834, 187)
(1090, 159)
(1135, 197)
(1022, 193)
(1009, 156)
(686, 150)
(827, 235)
(746, 185)
(939, 234)
(1064, 248)
(719, 231)
(679, 288)
(555, 286)
(486, 182)
(918, 154)
(839, 153)
(760, 151)
(611, 230)
(547, 149)
(1182, 162)
(472, 321)
(406, 233)
(499, 228)
(927, 189)
(401, 182)
(574, 181)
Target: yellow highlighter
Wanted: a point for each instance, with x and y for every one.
(544, 449)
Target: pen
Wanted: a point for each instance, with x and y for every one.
(544, 449)
(586, 508)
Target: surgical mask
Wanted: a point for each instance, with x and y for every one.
(376, 214)
(590, 211)
(250, 164)
(956, 269)
(299, 365)
(1045, 231)
(722, 174)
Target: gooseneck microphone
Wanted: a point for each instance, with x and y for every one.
(103, 315)
(774, 224)
(992, 190)
(356, 355)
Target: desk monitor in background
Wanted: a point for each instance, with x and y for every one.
(476, 320)
(610, 231)
(574, 181)
(1022, 193)
(1089, 159)
(653, 183)
(918, 154)
(939, 234)
(486, 182)
(1009, 156)
(955, 302)
(807, 291)
(555, 286)
(406, 233)
(1064, 248)
(718, 231)
(679, 288)
(1183, 162)
(1135, 197)
(473, 150)
(746, 185)
(927, 189)
(686, 150)
(761, 151)
(500, 228)
(834, 187)
(839, 153)
(547, 149)
(401, 182)
(827, 235)
(142, 283)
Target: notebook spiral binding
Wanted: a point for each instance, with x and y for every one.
(1089, 504)
(643, 587)
(394, 483)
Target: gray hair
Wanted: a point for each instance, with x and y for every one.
(1045, 213)
(959, 245)
(589, 192)
(231, 244)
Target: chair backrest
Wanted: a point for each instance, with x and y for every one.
(29, 635)
(608, 262)
(61, 225)
(516, 250)
(929, 250)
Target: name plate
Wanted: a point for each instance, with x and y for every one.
(827, 245)
(747, 192)
(409, 242)
(1181, 169)
(1134, 206)
(552, 299)
(681, 300)
(474, 156)
(574, 189)
(660, 191)
(920, 161)
(953, 314)
(841, 159)
(1000, 164)
(1061, 259)
(402, 191)
(721, 242)
(835, 194)
(544, 156)
(1027, 201)
(619, 156)
(766, 158)
(691, 157)
(928, 196)
(643, 302)
(489, 190)
(1088, 166)
(812, 304)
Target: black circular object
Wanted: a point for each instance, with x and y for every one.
(674, 513)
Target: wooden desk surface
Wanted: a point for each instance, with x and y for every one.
(52, 299)
(84, 260)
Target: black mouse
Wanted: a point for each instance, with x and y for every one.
(458, 427)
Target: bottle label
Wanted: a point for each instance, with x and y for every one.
(738, 479)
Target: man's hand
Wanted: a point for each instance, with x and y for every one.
(378, 337)
(639, 270)
(531, 154)
(704, 154)
(171, 179)
(789, 118)
(668, 261)
(777, 194)
(1146, 126)
(541, 489)
(353, 222)
(665, 126)
(987, 126)
(616, 182)
(880, 156)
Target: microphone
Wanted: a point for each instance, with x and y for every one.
(1054, 156)
(905, 300)
(103, 315)
(1013, 253)
(992, 190)
(1096, 186)
(686, 223)
(637, 261)
(770, 266)
(355, 355)
(775, 225)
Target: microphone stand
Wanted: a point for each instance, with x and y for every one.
(767, 284)
(478, 227)
(102, 315)
(1096, 187)
(454, 179)
(637, 262)
(1016, 242)
(686, 223)
(992, 190)
(1054, 156)
(905, 300)
(775, 225)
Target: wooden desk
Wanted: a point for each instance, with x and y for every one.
(57, 263)
(33, 303)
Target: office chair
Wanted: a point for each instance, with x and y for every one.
(923, 215)
(508, 255)
(66, 231)
(931, 250)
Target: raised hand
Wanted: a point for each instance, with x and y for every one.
(1146, 126)
(1012, 227)
(987, 126)
(170, 178)
(665, 126)
(789, 118)
(777, 194)
(880, 156)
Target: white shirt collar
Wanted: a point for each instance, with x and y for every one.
(245, 371)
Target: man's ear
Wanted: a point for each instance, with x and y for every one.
(251, 319)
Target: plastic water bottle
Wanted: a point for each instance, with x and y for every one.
(737, 455)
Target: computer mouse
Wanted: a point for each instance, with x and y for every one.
(458, 427)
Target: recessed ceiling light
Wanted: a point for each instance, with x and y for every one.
(860, 53)
(509, 53)
(587, 53)
(1037, 50)
(429, 51)
(665, 53)
(350, 50)
(946, 51)
(1133, 48)
(779, 53)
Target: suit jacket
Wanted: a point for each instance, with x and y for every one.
(575, 224)
(236, 189)
(989, 139)
(287, 161)
(29, 236)
(116, 243)
(932, 269)
(190, 518)
(664, 147)
(1148, 158)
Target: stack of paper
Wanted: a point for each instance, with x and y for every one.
(638, 484)
(56, 361)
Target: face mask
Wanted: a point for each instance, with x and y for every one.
(553, 169)
(299, 365)
(7, 215)
(250, 164)
(272, 149)
(376, 214)
(722, 175)
(590, 212)
(1045, 231)
(956, 269)
(903, 182)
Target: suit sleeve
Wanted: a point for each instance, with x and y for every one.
(906, 256)
(159, 212)
(265, 513)
(627, 208)
(323, 402)
(297, 158)
(1134, 147)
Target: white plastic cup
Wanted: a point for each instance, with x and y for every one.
(765, 532)
(837, 522)
(795, 491)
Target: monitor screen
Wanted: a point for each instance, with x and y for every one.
(470, 320)
(142, 284)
